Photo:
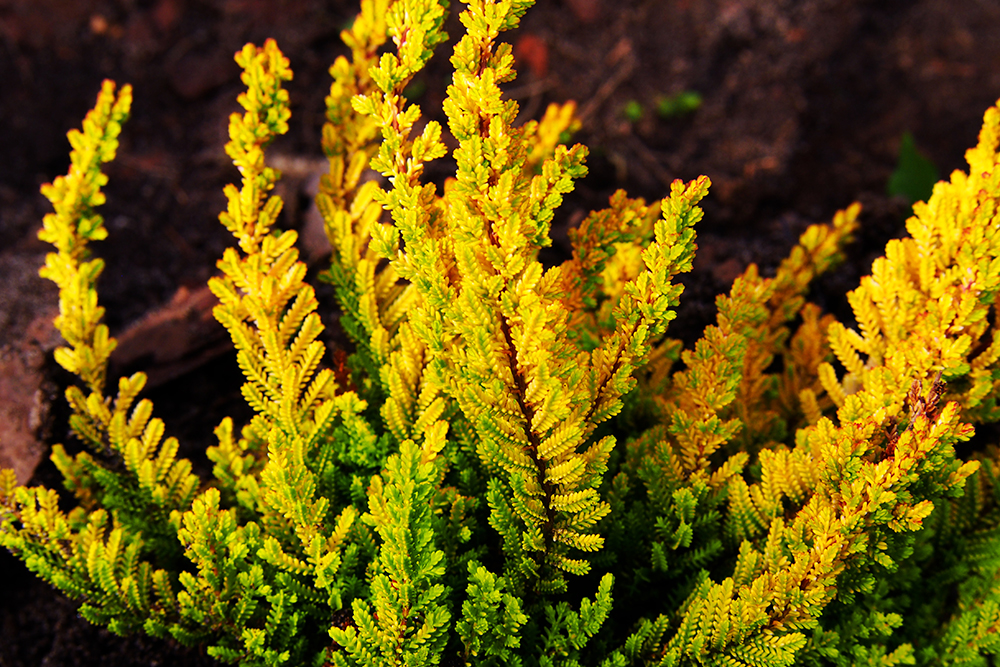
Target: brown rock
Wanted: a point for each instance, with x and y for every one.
(172, 340)
(23, 398)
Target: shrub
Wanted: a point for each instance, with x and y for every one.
(521, 468)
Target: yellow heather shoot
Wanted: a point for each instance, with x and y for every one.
(74, 223)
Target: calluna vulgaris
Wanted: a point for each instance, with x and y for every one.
(521, 469)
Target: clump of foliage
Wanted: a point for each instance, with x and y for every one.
(522, 469)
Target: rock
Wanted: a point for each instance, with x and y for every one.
(173, 339)
(25, 398)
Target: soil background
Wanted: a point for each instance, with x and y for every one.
(804, 103)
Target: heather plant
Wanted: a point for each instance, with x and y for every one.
(521, 468)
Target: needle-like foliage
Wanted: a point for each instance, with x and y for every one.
(519, 467)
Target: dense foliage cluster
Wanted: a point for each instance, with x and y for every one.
(522, 469)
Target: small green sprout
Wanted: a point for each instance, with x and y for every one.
(675, 106)
(633, 111)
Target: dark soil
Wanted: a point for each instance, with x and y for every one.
(804, 105)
